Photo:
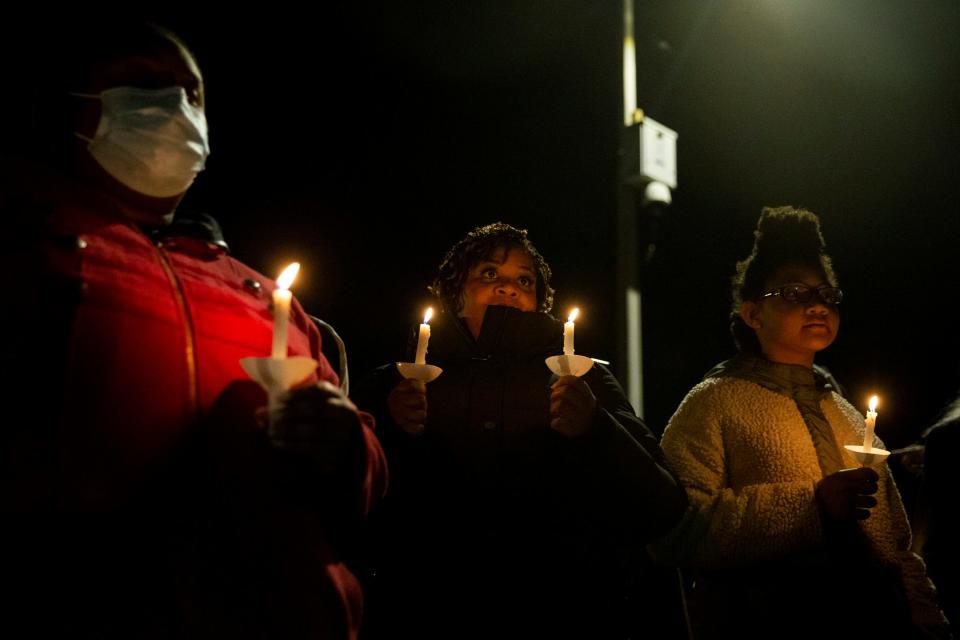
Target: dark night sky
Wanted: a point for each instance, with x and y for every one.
(364, 140)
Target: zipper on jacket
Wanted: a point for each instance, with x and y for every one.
(189, 350)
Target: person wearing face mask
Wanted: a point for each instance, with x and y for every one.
(516, 496)
(154, 141)
(142, 495)
(786, 534)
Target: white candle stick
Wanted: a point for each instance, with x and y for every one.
(423, 338)
(568, 333)
(281, 310)
(869, 423)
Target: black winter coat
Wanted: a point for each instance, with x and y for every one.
(496, 525)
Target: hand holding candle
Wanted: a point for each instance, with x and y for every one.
(419, 369)
(869, 423)
(568, 333)
(281, 310)
(423, 338)
(868, 455)
(569, 364)
(278, 373)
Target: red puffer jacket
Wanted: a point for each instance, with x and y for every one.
(120, 347)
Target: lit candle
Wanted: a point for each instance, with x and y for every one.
(568, 333)
(423, 338)
(281, 310)
(870, 422)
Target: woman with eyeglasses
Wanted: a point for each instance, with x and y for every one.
(785, 533)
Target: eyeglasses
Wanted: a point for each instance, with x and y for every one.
(802, 294)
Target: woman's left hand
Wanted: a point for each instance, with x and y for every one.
(572, 406)
(321, 422)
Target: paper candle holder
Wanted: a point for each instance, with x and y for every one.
(278, 375)
(423, 372)
(868, 458)
(569, 365)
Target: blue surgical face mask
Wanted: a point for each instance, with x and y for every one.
(151, 140)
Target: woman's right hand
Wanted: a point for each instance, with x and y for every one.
(407, 404)
(848, 493)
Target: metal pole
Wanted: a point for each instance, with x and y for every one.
(629, 329)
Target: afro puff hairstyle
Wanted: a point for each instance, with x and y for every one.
(784, 236)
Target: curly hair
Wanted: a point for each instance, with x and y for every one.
(784, 236)
(478, 245)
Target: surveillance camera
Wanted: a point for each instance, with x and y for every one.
(656, 193)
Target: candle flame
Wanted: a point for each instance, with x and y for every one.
(873, 403)
(573, 315)
(286, 278)
(428, 315)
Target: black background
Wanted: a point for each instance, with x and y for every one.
(363, 139)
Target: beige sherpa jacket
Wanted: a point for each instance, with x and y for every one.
(750, 469)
